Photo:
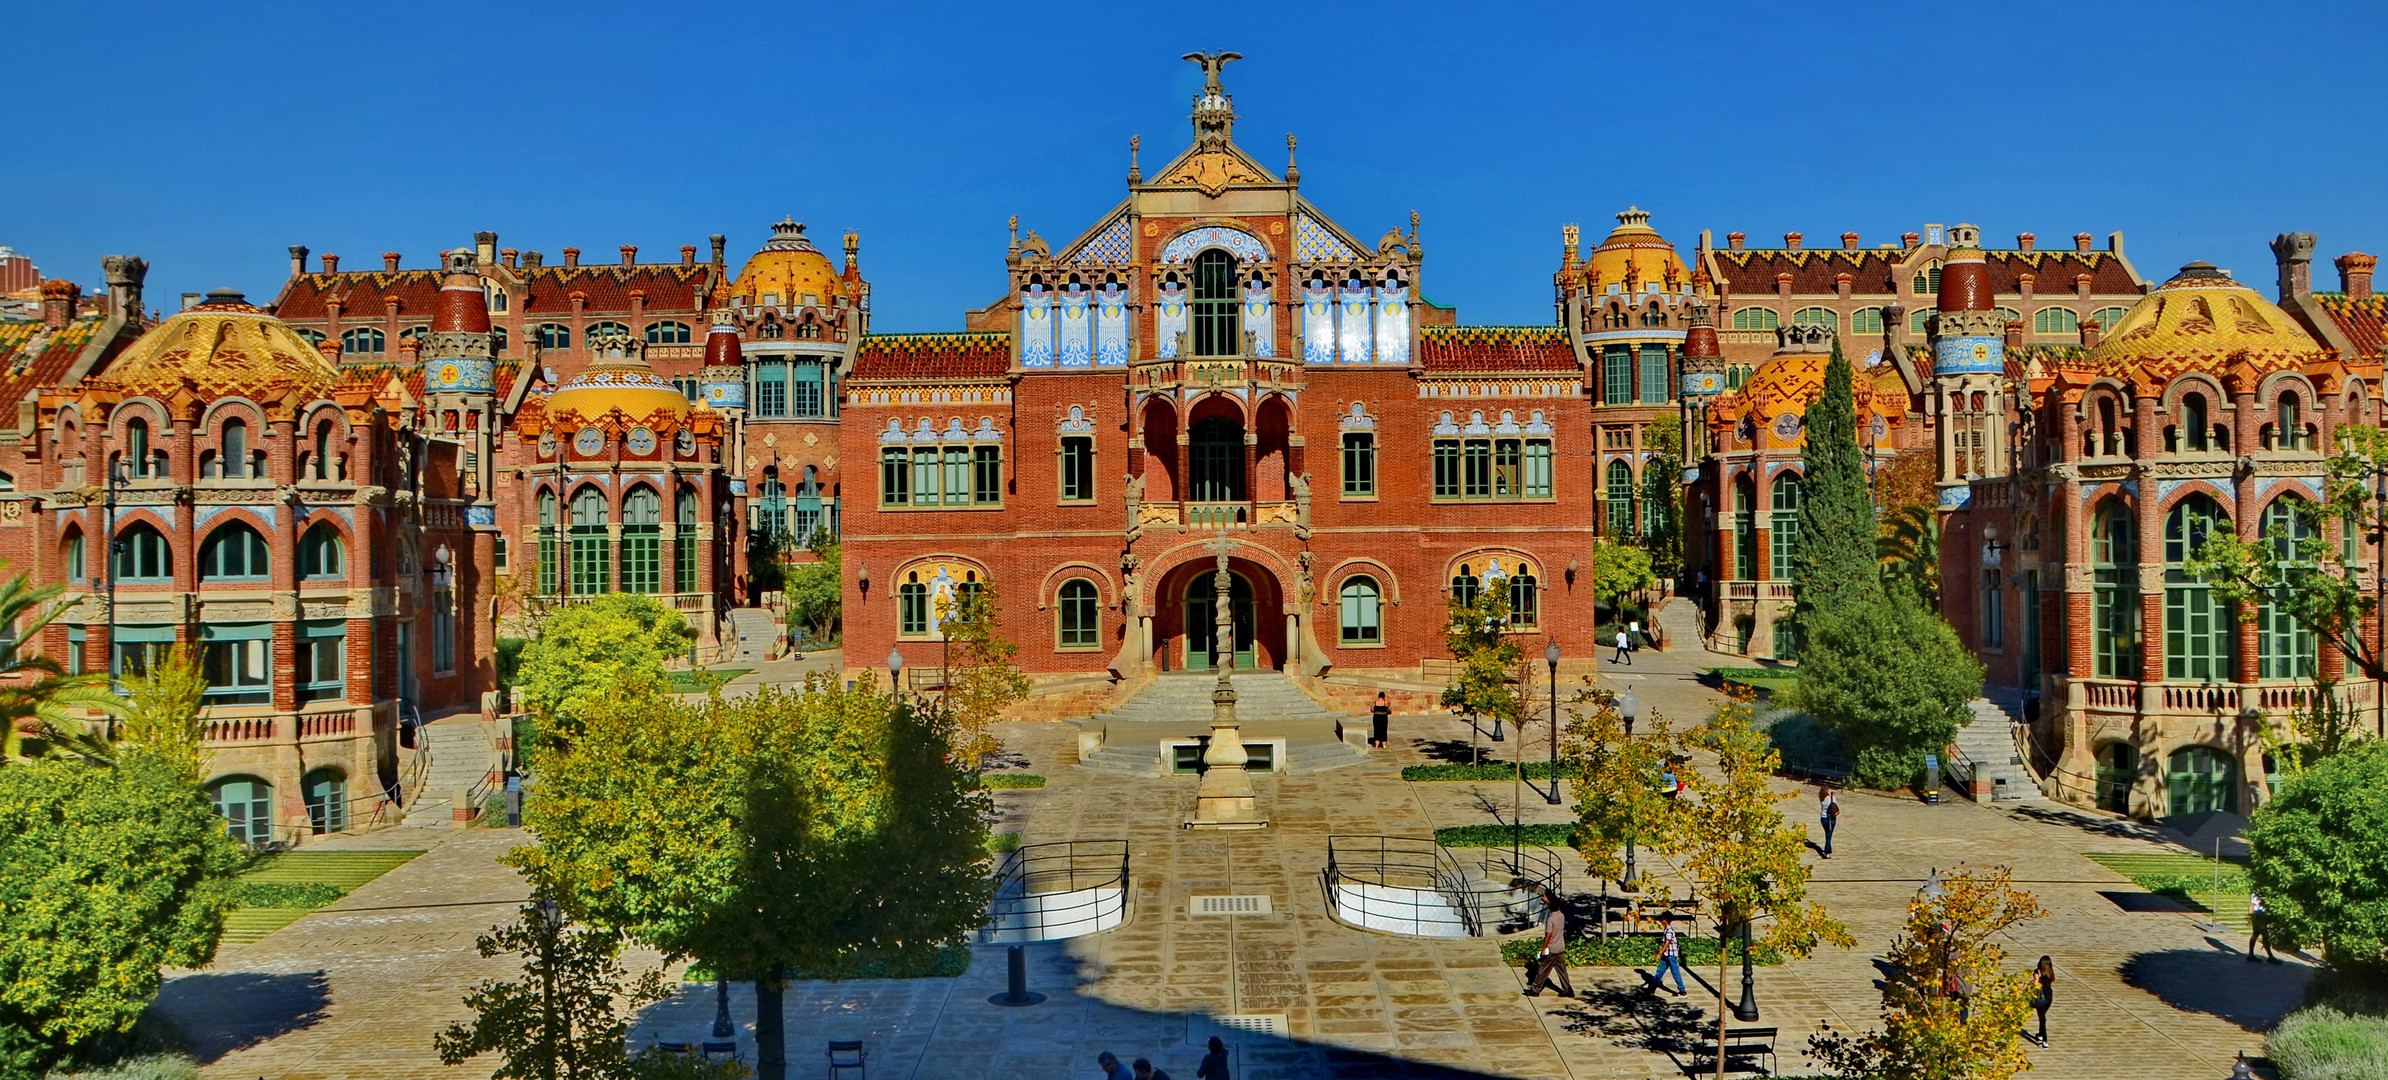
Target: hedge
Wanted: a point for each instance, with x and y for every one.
(1632, 950)
(1495, 836)
(1011, 780)
(287, 894)
(946, 963)
(1535, 770)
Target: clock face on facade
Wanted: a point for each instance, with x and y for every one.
(641, 441)
(547, 445)
(685, 440)
(1786, 426)
(589, 441)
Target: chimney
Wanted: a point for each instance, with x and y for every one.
(124, 273)
(2354, 274)
(532, 260)
(330, 348)
(1733, 240)
(1849, 241)
(485, 247)
(1908, 240)
(688, 254)
(1782, 286)
(718, 240)
(2091, 329)
(1842, 282)
(2023, 285)
(1791, 240)
(331, 263)
(2081, 241)
(853, 252)
(2015, 334)
(571, 257)
(2026, 240)
(58, 302)
(298, 259)
(189, 300)
(2081, 286)
(508, 256)
(629, 254)
(389, 260)
(2293, 251)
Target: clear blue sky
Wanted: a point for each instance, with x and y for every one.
(210, 137)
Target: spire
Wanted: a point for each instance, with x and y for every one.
(1135, 171)
(463, 306)
(1293, 172)
(1214, 111)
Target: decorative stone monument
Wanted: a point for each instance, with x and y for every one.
(1223, 799)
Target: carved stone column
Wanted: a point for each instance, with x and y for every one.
(1224, 799)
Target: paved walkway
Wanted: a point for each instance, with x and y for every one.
(356, 991)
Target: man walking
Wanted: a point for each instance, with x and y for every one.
(1112, 1069)
(1624, 651)
(1670, 958)
(2259, 928)
(1554, 949)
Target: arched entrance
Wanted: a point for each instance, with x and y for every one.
(1202, 627)
(1186, 620)
(2118, 769)
(2198, 780)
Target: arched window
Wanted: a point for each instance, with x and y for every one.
(363, 339)
(1745, 529)
(2288, 425)
(547, 542)
(2198, 630)
(2285, 646)
(1464, 586)
(2109, 436)
(1654, 315)
(912, 606)
(138, 463)
(247, 806)
(1081, 615)
(321, 554)
(76, 568)
(1816, 316)
(232, 457)
(684, 554)
(2008, 315)
(497, 334)
(1755, 318)
(327, 801)
(1920, 323)
(141, 555)
(1783, 527)
(2055, 320)
(1866, 320)
(1927, 280)
(591, 559)
(1215, 304)
(1363, 618)
(771, 329)
(553, 335)
(667, 333)
(322, 465)
(1217, 454)
(1620, 498)
(2199, 780)
(235, 553)
(2108, 318)
(1525, 601)
(642, 541)
(314, 337)
(2192, 433)
(599, 329)
(2114, 574)
(414, 333)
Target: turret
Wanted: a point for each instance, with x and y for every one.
(457, 354)
(723, 384)
(1969, 361)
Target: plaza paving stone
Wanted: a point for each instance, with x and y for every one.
(356, 990)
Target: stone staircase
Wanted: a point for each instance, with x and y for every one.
(1178, 706)
(1678, 618)
(755, 632)
(1499, 908)
(460, 755)
(1989, 743)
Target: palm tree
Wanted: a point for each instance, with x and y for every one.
(36, 693)
(1909, 550)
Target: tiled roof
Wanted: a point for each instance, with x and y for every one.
(669, 287)
(1495, 348)
(44, 358)
(981, 355)
(2362, 320)
(1874, 271)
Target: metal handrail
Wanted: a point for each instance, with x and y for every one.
(1098, 868)
(1400, 862)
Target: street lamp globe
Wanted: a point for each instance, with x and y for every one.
(1631, 706)
(895, 663)
(1550, 652)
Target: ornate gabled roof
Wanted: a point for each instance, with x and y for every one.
(363, 294)
(1877, 270)
(34, 355)
(1495, 348)
(980, 355)
(223, 347)
(2201, 320)
(2361, 320)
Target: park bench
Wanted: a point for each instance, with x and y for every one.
(1744, 1049)
(1834, 771)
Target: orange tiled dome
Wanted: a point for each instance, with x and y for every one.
(1635, 249)
(2201, 320)
(788, 269)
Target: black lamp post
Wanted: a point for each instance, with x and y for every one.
(722, 1028)
(117, 478)
(1495, 625)
(895, 670)
(1550, 653)
(1746, 1009)
(1633, 878)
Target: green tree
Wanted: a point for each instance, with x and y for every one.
(107, 875)
(2318, 855)
(1620, 571)
(568, 1016)
(1834, 561)
(1890, 678)
(2301, 577)
(37, 697)
(590, 652)
(815, 589)
(1618, 799)
(981, 679)
(780, 833)
(1909, 549)
(1928, 1031)
(161, 716)
(1662, 492)
(1485, 683)
(1744, 860)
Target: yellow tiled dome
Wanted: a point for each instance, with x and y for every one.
(1635, 250)
(619, 380)
(788, 269)
(223, 347)
(2202, 320)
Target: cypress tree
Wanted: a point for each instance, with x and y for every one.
(1834, 562)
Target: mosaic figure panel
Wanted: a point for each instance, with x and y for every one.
(1243, 245)
(1111, 323)
(1969, 356)
(1355, 339)
(1169, 317)
(1036, 326)
(1077, 338)
(1393, 322)
(1318, 322)
(1257, 321)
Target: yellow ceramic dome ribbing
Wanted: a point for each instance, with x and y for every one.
(788, 269)
(223, 347)
(2201, 320)
(1635, 251)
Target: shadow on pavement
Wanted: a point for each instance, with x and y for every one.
(219, 1014)
(2224, 984)
(2094, 824)
(1635, 1018)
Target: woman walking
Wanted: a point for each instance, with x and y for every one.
(2043, 992)
(1828, 810)
(1380, 717)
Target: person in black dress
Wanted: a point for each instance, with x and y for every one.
(1380, 717)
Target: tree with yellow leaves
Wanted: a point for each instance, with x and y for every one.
(1743, 859)
(1620, 803)
(1950, 1013)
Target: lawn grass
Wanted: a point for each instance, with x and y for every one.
(2187, 878)
(1500, 836)
(1633, 950)
(286, 885)
(1490, 770)
(1767, 679)
(1010, 780)
(696, 681)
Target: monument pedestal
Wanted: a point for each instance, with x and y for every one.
(1223, 799)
